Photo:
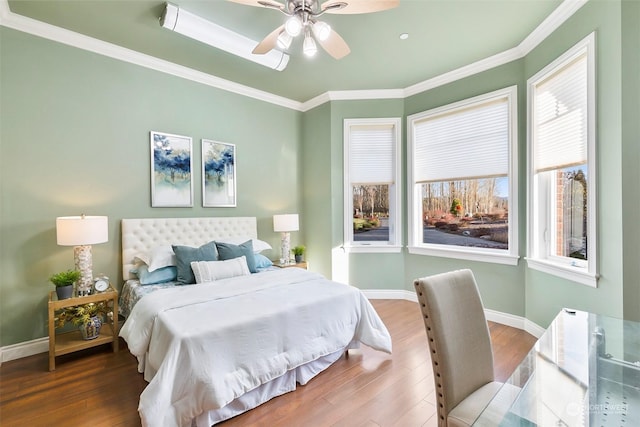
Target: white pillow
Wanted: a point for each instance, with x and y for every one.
(158, 257)
(209, 271)
(258, 245)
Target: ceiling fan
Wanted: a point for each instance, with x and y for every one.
(302, 19)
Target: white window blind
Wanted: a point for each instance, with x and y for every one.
(466, 143)
(560, 117)
(371, 154)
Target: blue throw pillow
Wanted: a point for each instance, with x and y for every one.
(161, 275)
(262, 261)
(231, 251)
(185, 255)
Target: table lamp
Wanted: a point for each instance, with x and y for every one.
(82, 232)
(284, 224)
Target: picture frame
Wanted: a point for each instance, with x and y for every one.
(218, 174)
(171, 170)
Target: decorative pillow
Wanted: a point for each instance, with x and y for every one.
(230, 251)
(208, 271)
(258, 245)
(161, 275)
(185, 255)
(158, 257)
(262, 261)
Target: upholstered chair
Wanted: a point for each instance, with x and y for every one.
(460, 346)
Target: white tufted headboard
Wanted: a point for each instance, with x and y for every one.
(142, 235)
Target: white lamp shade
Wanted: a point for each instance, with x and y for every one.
(82, 230)
(285, 223)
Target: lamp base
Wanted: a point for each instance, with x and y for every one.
(285, 248)
(84, 263)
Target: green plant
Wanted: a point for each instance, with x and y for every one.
(65, 278)
(298, 250)
(80, 314)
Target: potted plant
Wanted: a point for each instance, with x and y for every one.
(64, 281)
(88, 317)
(298, 253)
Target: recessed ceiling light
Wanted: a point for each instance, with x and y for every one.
(404, 36)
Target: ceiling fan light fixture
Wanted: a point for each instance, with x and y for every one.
(284, 40)
(293, 26)
(321, 30)
(309, 47)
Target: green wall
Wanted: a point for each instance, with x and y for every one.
(74, 135)
(75, 139)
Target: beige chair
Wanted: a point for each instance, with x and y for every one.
(460, 346)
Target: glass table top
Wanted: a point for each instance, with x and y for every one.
(583, 371)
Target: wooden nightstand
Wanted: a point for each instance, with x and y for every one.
(302, 264)
(68, 342)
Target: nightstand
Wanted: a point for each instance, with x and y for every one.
(302, 264)
(69, 342)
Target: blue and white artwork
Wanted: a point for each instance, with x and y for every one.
(218, 174)
(171, 166)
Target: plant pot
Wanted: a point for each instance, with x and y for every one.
(91, 329)
(64, 292)
(298, 258)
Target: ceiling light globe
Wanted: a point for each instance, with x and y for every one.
(309, 46)
(322, 30)
(284, 40)
(293, 26)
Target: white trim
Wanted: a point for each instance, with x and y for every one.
(41, 345)
(372, 248)
(575, 274)
(461, 252)
(24, 349)
(31, 26)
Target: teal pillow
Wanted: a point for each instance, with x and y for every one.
(160, 275)
(262, 261)
(185, 255)
(231, 251)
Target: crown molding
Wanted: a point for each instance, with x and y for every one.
(31, 26)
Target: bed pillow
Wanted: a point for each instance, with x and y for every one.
(158, 257)
(161, 275)
(230, 251)
(185, 255)
(258, 245)
(209, 271)
(262, 261)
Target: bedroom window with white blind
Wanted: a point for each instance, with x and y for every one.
(561, 196)
(462, 161)
(372, 185)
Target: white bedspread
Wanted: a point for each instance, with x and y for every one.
(213, 342)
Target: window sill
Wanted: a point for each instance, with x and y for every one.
(372, 248)
(484, 255)
(575, 274)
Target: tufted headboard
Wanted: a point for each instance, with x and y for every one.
(142, 235)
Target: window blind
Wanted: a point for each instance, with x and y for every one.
(371, 154)
(467, 143)
(560, 118)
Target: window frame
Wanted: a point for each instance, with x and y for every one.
(414, 201)
(539, 215)
(394, 245)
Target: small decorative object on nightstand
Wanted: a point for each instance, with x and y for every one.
(302, 265)
(298, 253)
(63, 282)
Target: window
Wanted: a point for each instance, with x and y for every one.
(462, 179)
(561, 196)
(372, 184)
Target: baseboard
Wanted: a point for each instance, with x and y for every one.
(41, 345)
(24, 349)
(512, 320)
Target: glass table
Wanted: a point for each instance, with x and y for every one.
(583, 371)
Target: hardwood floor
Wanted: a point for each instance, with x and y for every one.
(368, 388)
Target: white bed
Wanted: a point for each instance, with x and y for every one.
(214, 350)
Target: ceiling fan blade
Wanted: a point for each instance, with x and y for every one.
(335, 45)
(260, 3)
(357, 6)
(269, 42)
